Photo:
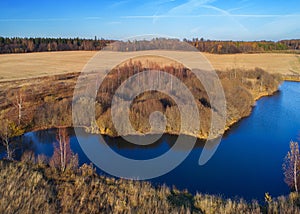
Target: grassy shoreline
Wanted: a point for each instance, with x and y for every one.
(28, 187)
(35, 187)
(242, 89)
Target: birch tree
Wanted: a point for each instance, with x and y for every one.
(8, 130)
(19, 106)
(18, 101)
(291, 166)
(63, 156)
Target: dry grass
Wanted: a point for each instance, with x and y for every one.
(30, 188)
(149, 60)
(272, 62)
(18, 66)
(24, 190)
(36, 188)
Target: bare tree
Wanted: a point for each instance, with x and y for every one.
(19, 105)
(63, 156)
(261, 84)
(6, 139)
(8, 130)
(18, 102)
(291, 166)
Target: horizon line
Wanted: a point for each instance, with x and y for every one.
(144, 39)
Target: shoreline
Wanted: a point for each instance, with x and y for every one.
(106, 131)
(200, 138)
(51, 183)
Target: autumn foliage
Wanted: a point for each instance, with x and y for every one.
(27, 45)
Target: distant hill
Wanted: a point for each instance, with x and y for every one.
(27, 45)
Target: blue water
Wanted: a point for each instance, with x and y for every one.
(248, 162)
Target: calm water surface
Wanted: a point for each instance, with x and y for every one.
(247, 164)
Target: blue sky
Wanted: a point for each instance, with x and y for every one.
(211, 19)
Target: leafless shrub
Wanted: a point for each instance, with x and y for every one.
(42, 159)
(28, 157)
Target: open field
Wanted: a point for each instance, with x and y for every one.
(285, 64)
(19, 66)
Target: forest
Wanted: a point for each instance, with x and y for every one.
(231, 47)
(28, 45)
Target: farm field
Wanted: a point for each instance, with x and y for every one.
(22, 66)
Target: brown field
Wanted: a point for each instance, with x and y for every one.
(281, 63)
(19, 66)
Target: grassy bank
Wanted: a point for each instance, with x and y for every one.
(29, 187)
(292, 78)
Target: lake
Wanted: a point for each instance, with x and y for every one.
(248, 162)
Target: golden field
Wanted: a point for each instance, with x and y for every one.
(21, 66)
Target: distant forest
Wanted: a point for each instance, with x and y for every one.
(28, 45)
(225, 47)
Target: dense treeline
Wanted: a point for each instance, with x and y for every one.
(26, 45)
(293, 44)
(225, 47)
(215, 47)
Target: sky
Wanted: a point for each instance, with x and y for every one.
(208, 19)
